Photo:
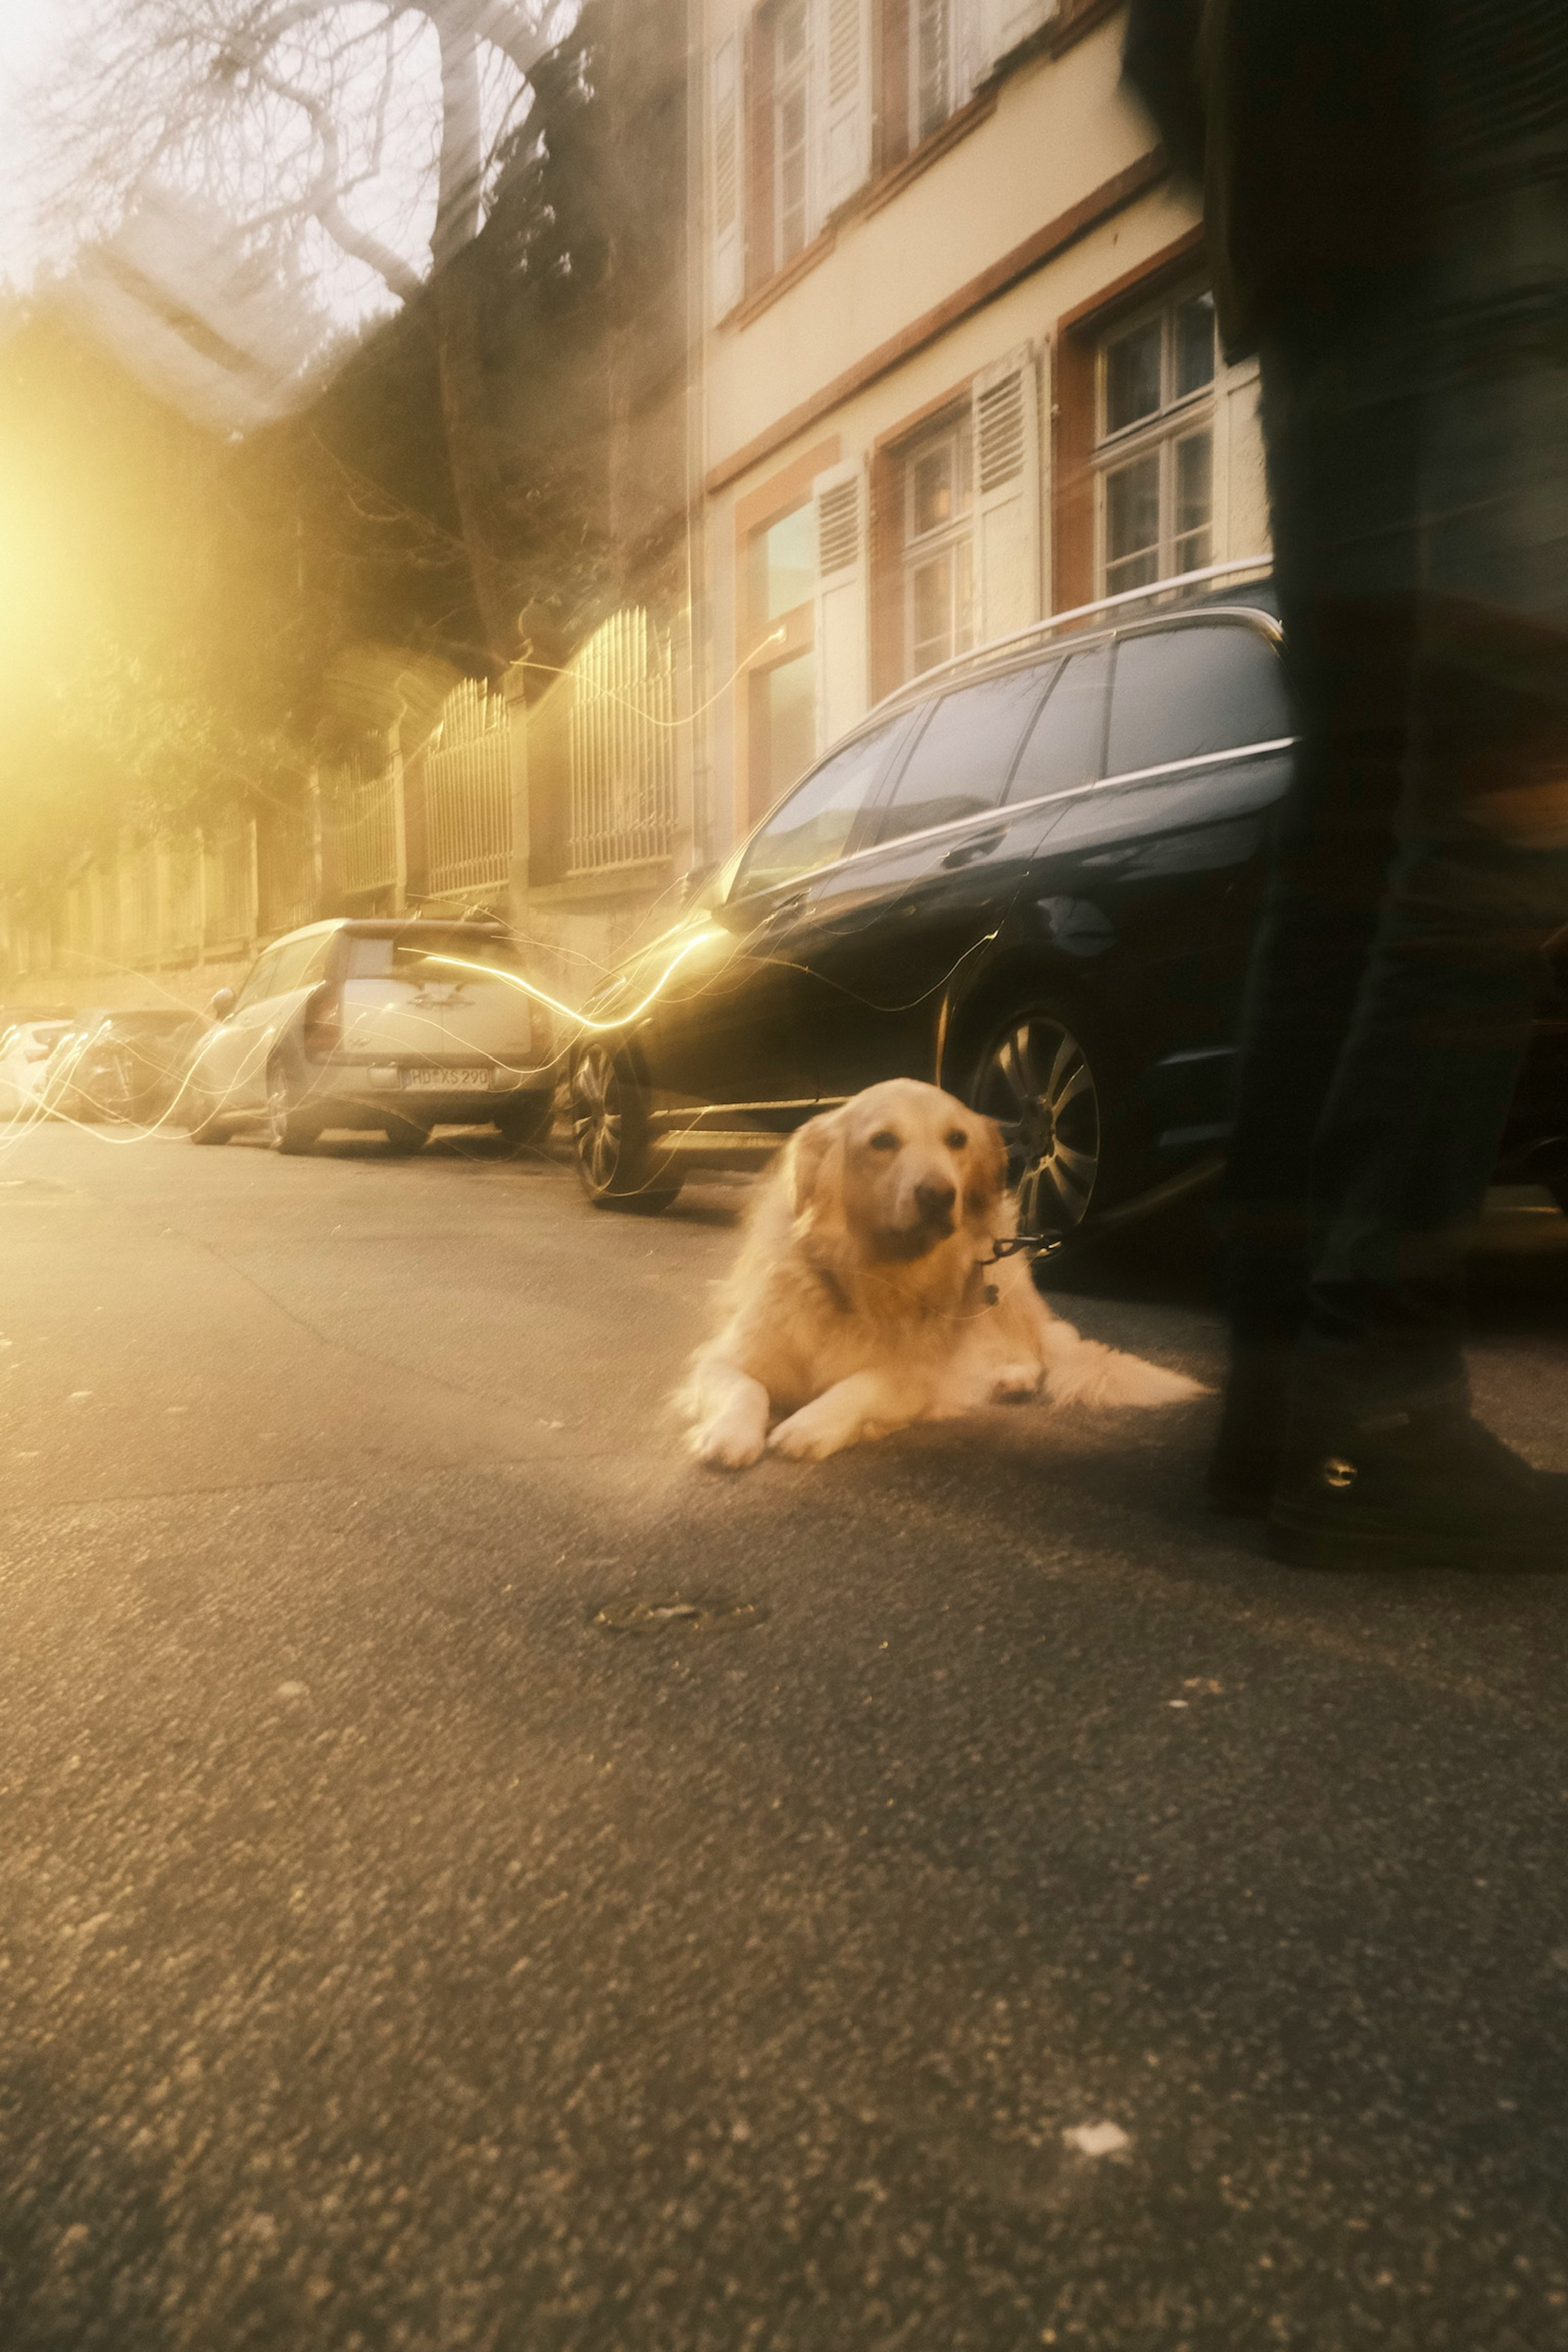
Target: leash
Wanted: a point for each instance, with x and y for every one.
(1024, 1246)
(1197, 1179)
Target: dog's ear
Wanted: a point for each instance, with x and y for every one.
(812, 1159)
(988, 1179)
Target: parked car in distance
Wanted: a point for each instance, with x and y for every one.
(25, 1051)
(122, 1064)
(402, 1023)
(1032, 877)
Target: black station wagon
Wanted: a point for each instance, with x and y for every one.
(1031, 879)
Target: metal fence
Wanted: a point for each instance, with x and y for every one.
(467, 793)
(622, 747)
(364, 831)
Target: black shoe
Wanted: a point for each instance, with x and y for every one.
(1424, 1488)
(1251, 1447)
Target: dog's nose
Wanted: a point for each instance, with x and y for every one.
(935, 1201)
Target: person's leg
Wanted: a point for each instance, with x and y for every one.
(1342, 474)
(1386, 1460)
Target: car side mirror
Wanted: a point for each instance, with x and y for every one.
(223, 1003)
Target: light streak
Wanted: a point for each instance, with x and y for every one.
(43, 1109)
(570, 1012)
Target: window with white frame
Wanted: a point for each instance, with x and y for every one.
(1154, 444)
(792, 130)
(938, 497)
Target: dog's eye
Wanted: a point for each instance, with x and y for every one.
(885, 1142)
(957, 1140)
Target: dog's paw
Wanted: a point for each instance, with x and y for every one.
(1016, 1384)
(810, 1436)
(731, 1443)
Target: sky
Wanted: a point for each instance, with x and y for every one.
(32, 34)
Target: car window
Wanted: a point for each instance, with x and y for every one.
(964, 755)
(813, 827)
(1187, 693)
(1062, 748)
(408, 955)
(132, 1026)
(300, 962)
(259, 984)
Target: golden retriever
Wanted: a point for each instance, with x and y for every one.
(863, 1300)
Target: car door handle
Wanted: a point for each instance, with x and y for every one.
(969, 850)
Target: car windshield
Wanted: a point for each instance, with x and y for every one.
(415, 955)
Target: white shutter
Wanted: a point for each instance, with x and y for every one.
(843, 68)
(838, 499)
(1002, 24)
(1007, 423)
(729, 265)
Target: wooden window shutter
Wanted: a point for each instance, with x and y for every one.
(843, 63)
(1006, 427)
(839, 498)
(729, 251)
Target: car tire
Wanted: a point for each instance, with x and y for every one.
(1044, 1078)
(527, 1121)
(290, 1129)
(615, 1153)
(404, 1137)
(203, 1123)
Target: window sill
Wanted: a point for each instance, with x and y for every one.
(766, 294)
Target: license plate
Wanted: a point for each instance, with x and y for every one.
(447, 1082)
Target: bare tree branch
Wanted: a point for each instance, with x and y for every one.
(271, 109)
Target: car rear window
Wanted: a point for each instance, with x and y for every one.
(964, 755)
(407, 955)
(1188, 693)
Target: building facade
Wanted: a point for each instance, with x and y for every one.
(957, 369)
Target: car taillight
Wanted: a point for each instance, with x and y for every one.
(323, 1024)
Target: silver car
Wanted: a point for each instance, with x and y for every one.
(400, 1025)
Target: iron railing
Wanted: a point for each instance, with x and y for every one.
(623, 805)
(468, 795)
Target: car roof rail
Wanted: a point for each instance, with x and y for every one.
(1016, 639)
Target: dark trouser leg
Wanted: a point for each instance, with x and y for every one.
(1339, 429)
(1409, 1132)
(1332, 850)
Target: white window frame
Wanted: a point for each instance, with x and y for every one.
(956, 534)
(798, 83)
(1177, 418)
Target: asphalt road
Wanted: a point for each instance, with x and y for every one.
(394, 1956)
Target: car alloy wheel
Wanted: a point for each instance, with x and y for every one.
(1037, 1083)
(609, 1137)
